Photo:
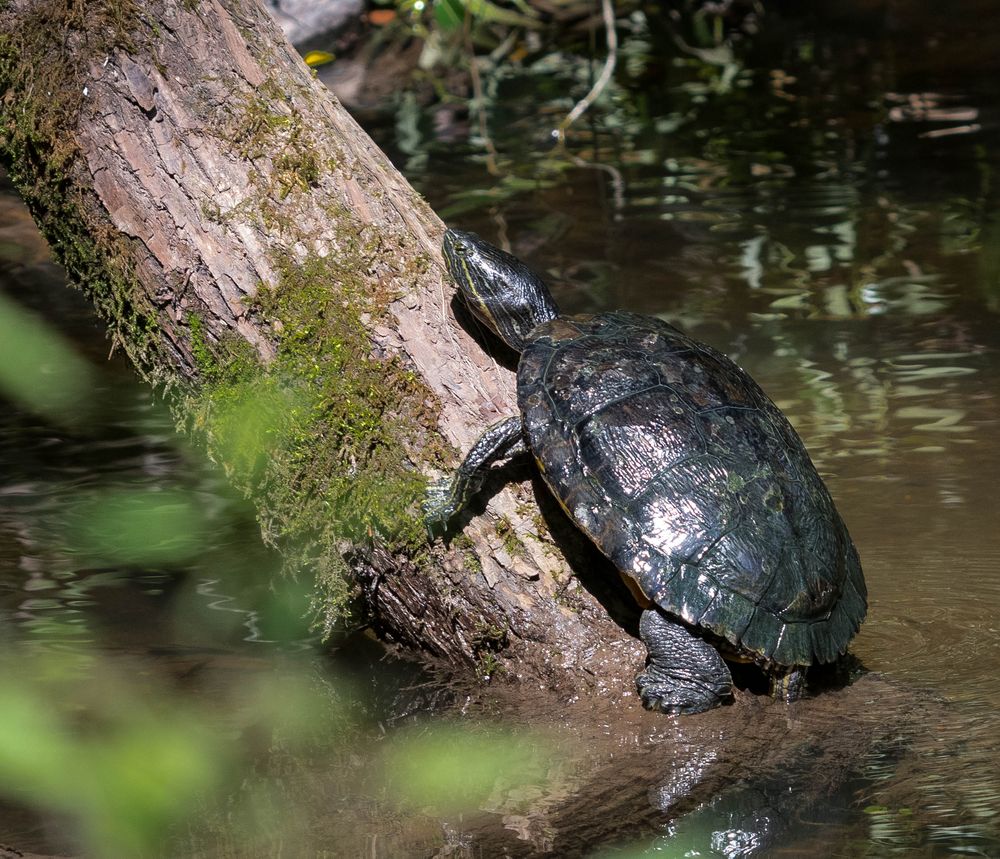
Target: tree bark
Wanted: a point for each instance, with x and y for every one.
(182, 159)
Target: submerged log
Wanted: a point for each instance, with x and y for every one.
(261, 260)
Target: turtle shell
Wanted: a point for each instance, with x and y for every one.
(686, 475)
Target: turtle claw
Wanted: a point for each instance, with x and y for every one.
(439, 506)
(685, 673)
(667, 696)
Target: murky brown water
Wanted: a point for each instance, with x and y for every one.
(826, 210)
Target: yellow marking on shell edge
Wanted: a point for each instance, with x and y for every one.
(637, 594)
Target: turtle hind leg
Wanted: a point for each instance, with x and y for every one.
(685, 674)
(788, 685)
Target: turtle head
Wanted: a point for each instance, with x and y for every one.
(497, 288)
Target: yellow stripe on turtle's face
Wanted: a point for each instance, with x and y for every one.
(474, 298)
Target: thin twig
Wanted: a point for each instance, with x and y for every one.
(477, 97)
(617, 182)
(602, 81)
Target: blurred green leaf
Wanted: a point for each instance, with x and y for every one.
(91, 746)
(38, 369)
(449, 14)
(147, 776)
(250, 420)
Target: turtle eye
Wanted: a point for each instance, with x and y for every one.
(461, 248)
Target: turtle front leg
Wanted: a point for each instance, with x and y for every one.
(446, 497)
(685, 674)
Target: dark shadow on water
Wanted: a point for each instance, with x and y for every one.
(389, 689)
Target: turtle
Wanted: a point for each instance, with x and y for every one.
(682, 471)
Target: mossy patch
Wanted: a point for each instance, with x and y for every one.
(34, 58)
(508, 536)
(263, 124)
(323, 437)
(39, 155)
(488, 641)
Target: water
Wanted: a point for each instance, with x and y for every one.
(823, 206)
(829, 218)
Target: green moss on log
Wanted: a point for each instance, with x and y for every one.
(324, 436)
(48, 52)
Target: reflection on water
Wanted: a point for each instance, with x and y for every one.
(821, 204)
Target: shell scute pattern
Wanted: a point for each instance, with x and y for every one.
(692, 482)
(615, 448)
